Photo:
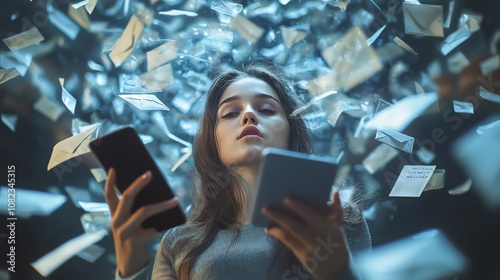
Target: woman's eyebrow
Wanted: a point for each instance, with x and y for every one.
(237, 97)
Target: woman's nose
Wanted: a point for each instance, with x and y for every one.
(249, 117)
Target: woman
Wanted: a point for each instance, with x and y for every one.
(245, 112)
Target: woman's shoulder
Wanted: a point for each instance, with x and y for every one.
(176, 234)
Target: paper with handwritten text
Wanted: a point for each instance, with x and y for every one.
(412, 180)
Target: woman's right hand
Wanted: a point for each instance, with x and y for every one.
(129, 236)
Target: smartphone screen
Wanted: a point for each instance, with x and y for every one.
(283, 173)
(124, 151)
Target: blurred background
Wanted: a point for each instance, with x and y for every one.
(75, 70)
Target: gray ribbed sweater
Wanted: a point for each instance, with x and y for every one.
(246, 253)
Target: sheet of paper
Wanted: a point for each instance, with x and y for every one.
(227, 7)
(54, 259)
(463, 107)
(457, 62)
(375, 35)
(352, 61)
(90, 6)
(453, 40)
(145, 101)
(436, 181)
(63, 23)
(91, 253)
(99, 174)
(24, 39)
(404, 45)
(293, 35)
(488, 95)
(80, 16)
(249, 30)
(31, 202)
(72, 147)
(412, 180)
(479, 155)
(10, 121)
(179, 13)
(7, 74)
(424, 20)
(19, 60)
(161, 55)
(427, 255)
(68, 100)
(125, 45)
(401, 114)
(395, 139)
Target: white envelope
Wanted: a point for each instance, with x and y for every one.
(454, 40)
(125, 45)
(395, 139)
(488, 95)
(249, 30)
(425, 20)
(145, 101)
(24, 39)
(463, 107)
(71, 147)
(7, 74)
(161, 55)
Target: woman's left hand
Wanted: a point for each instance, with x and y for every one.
(319, 245)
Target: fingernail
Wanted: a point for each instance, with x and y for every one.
(148, 173)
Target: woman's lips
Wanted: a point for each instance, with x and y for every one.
(250, 132)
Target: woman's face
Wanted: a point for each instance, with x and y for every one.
(249, 119)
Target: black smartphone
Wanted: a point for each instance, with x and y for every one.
(124, 151)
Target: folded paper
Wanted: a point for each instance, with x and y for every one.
(7, 74)
(144, 101)
(436, 181)
(424, 20)
(463, 107)
(395, 139)
(125, 45)
(24, 39)
(71, 147)
(51, 261)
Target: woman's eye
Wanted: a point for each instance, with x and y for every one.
(229, 115)
(267, 111)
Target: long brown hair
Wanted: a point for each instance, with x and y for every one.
(219, 197)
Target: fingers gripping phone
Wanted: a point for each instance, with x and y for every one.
(124, 151)
(283, 173)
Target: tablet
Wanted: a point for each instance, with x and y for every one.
(287, 173)
(124, 151)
